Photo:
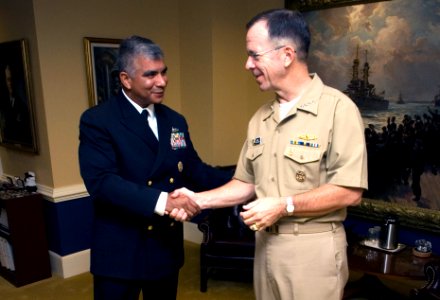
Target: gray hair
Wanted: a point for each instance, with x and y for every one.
(133, 47)
(286, 24)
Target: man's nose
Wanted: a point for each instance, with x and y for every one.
(161, 80)
(249, 63)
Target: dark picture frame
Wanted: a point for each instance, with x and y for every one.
(17, 121)
(307, 5)
(102, 75)
(391, 192)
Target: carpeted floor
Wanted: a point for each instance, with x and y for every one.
(80, 287)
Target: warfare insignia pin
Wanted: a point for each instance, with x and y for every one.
(307, 137)
(305, 140)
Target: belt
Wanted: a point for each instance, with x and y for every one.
(298, 228)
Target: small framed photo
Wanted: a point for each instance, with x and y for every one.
(17, 125)
(102, 74)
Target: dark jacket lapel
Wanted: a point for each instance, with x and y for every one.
(164, 129)
(136, 123)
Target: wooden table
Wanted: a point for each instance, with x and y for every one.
(376, 264)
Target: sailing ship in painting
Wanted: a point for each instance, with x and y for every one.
(361, 91)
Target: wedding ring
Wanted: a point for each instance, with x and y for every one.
(254, 227)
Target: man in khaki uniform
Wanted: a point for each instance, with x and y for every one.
(305, 161)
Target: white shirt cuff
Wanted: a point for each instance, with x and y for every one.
(161, 204)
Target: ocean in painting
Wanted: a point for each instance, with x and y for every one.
(379, 118)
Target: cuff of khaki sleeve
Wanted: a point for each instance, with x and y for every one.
(161, 204)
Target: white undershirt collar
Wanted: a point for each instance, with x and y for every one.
(152, 120)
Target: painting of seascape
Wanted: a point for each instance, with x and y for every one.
(386, 57)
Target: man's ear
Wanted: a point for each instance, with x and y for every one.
(289, 55)
(125, 80)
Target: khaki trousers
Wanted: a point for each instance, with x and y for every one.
(301, 266)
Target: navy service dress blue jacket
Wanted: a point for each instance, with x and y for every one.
(124, 169)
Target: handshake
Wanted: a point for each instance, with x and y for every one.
(183, 204)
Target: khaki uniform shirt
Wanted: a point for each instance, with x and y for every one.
(321, 140)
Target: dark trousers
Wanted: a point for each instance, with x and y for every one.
(106, 288)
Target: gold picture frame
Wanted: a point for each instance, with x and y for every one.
(307, 5)
(411, 217)
(102, 76)
(17, 121)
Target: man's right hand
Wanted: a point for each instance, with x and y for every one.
(181, 207)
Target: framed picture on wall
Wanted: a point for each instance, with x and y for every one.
(102, 75)
(384, 56)
(17, 126)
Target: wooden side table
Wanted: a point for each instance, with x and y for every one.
(24, 254)
(376, 264)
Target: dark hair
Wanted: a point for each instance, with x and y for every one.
(135, 46)
(286, 24)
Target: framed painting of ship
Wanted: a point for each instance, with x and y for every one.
(384, 56)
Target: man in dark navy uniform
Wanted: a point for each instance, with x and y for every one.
(134, 151)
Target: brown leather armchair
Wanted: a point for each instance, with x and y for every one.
(228, 245)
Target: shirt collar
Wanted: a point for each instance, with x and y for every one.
(149, 108)
(309, 102)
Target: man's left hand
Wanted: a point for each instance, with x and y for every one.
(263, 212)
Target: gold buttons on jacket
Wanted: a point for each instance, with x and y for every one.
(149, 182)
(150, 227)
(171, 224)
(171, 180)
